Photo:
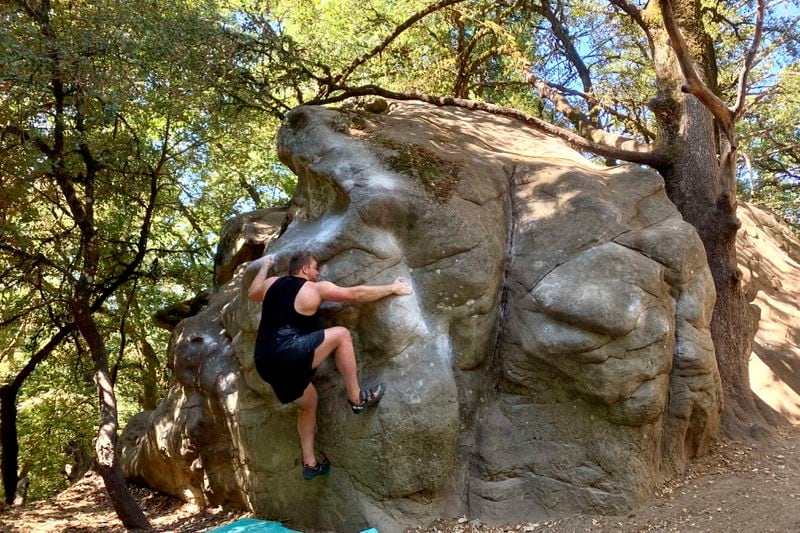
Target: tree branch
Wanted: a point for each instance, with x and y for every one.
(35, 259)
(739, 107)
(694, 85)
(583, 123)
(144, 230)
(123, 337)
(338, 79)
(716, 16)
(562, 34)
(41, 355)
(251, 191)
(635, 13)
(466, 68)
(24, 137)
(594, 101)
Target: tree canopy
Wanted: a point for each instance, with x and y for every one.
(116, 158)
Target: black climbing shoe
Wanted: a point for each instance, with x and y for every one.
(368, 397)
(321, 468)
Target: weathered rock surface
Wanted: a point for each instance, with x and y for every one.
(555, 356)
(769, 257)
(244, 238)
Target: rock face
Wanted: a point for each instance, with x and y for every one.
(244, 238)
(555, 356)
(769, 257)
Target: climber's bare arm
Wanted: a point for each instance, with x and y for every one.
(261, 283)
(312, 295)
(361, 293)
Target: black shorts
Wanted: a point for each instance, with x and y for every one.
(285, 362)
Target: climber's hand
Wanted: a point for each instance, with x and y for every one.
(401, 287)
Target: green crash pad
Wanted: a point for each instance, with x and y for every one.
(253, 525)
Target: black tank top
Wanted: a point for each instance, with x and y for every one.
(278, 312)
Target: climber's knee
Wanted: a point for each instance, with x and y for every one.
(309, 399)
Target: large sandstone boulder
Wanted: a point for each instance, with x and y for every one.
(555, 356)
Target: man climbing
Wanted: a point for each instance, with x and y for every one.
(290, 345)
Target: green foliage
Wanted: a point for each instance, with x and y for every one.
(147, 94)
(50, 417)
(772, 143)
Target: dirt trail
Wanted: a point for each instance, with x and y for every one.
(84, 507)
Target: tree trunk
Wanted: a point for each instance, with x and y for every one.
(108, 466)
(21, 493)
(70, 137)
(82, 462)
(150, 368)
(701, 181)
(8, 441)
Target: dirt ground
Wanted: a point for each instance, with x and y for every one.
(84, 508)
(736, 487)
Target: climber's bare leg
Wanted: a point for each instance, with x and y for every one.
(307, 424)
(339, 342)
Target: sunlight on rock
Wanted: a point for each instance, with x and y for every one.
(769, 256)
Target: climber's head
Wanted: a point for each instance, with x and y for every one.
(305, 263)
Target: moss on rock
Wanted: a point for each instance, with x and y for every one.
(437, 175)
